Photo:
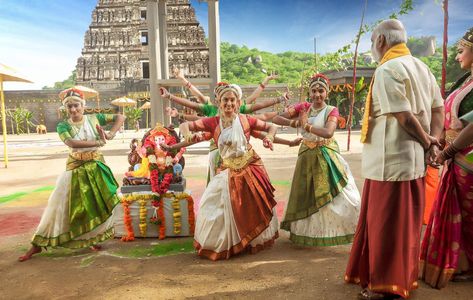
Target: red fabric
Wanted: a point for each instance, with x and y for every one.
(385, 254)
(431, 187)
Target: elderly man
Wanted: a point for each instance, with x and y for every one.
(402, 123)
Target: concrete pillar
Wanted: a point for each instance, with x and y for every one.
(163, 46)
(214, 44)
(154, 61)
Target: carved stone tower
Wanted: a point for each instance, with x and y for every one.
(116, 43)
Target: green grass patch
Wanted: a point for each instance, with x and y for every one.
(18, 195)
(44, 189)
(281, 182)
(12, 197)
(161, 249)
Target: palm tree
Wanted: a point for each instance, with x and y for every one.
(132, 114)
(28, 116)
(18, 117)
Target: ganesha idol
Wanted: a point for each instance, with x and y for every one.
(153, 168)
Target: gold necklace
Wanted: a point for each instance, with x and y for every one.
(226, 122)
(76, 126)
(316, 111)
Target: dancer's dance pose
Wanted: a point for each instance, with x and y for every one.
(323, 206)
(79, 210)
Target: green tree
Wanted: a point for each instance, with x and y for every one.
(62, 85)
(132, 114)
(28, 118)
(17, 117)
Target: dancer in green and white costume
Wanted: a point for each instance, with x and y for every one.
(324, 203)
(80, 208)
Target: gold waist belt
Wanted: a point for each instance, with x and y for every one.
(89, 155)
(238, 163)
(314, 144)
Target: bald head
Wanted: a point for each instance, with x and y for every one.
(392, 30)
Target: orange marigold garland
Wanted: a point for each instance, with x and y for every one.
(190, 209)
(128, 222)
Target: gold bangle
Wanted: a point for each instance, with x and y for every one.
(307, 127)
(270, 137)
(188, 138)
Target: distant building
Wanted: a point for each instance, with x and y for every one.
(115, 49)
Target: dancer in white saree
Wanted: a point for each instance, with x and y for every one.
(236, 211)
(79, 209)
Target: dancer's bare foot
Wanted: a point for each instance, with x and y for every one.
(96, 248)
(33, 250)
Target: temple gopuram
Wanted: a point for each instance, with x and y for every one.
(116, 44)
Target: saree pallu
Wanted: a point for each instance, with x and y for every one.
(450, 229)
(385, 253)
(79, 210)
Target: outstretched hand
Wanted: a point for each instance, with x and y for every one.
(269, 78)
(172, 112)
(165, 147)
(178, 73)
(267, 143)
(164, 93)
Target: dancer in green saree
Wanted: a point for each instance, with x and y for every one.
(79, 209)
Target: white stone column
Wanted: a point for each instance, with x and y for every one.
(163, 51)
(214, 44)
(154, 61)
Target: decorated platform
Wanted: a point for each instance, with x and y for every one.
(146, 214)
(154, 199)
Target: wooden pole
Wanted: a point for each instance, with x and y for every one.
(352, 100)
(4, 124)
(445, 49)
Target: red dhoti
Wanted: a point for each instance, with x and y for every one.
(385, 252)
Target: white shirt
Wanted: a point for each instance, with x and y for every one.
(401, 84)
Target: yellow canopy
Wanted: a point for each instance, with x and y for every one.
(7, 74)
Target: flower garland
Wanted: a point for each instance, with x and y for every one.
(158, 217)
(158, 187)
(176, 206)
(190, 208)
(143, 215)
(191, 216)
(127, 221)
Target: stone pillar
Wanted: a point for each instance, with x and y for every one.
(163, 50)
(214, 44)
(157, 114)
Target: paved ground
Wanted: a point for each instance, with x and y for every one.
(127, 270)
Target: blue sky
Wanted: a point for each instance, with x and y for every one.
(43, 38)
